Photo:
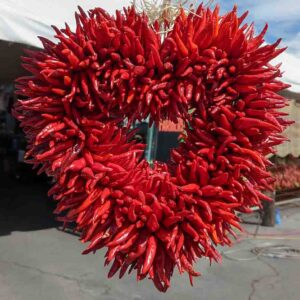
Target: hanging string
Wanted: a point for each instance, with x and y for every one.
(166, 10)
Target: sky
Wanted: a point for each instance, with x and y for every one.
(283, 17)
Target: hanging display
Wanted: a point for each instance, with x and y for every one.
(206, 69)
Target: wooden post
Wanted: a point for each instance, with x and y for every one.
(268, 218)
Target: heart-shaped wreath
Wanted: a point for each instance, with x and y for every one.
(209, 70)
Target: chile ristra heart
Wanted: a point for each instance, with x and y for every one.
(212, 72)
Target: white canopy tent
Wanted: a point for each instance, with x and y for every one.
(291, 68)
(21, 21)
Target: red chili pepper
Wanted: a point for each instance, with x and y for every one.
(186, 227)
(210, 190)
(121, 236)
(220, 180)
(190, 188)
(152, 223)
(245, 123)
(76, 165)
(150, 254)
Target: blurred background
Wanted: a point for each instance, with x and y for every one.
(39, 261)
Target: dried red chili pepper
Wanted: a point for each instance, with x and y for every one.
(212, 73)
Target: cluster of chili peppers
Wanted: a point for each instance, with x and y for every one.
(286, 173)
(212, 72)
